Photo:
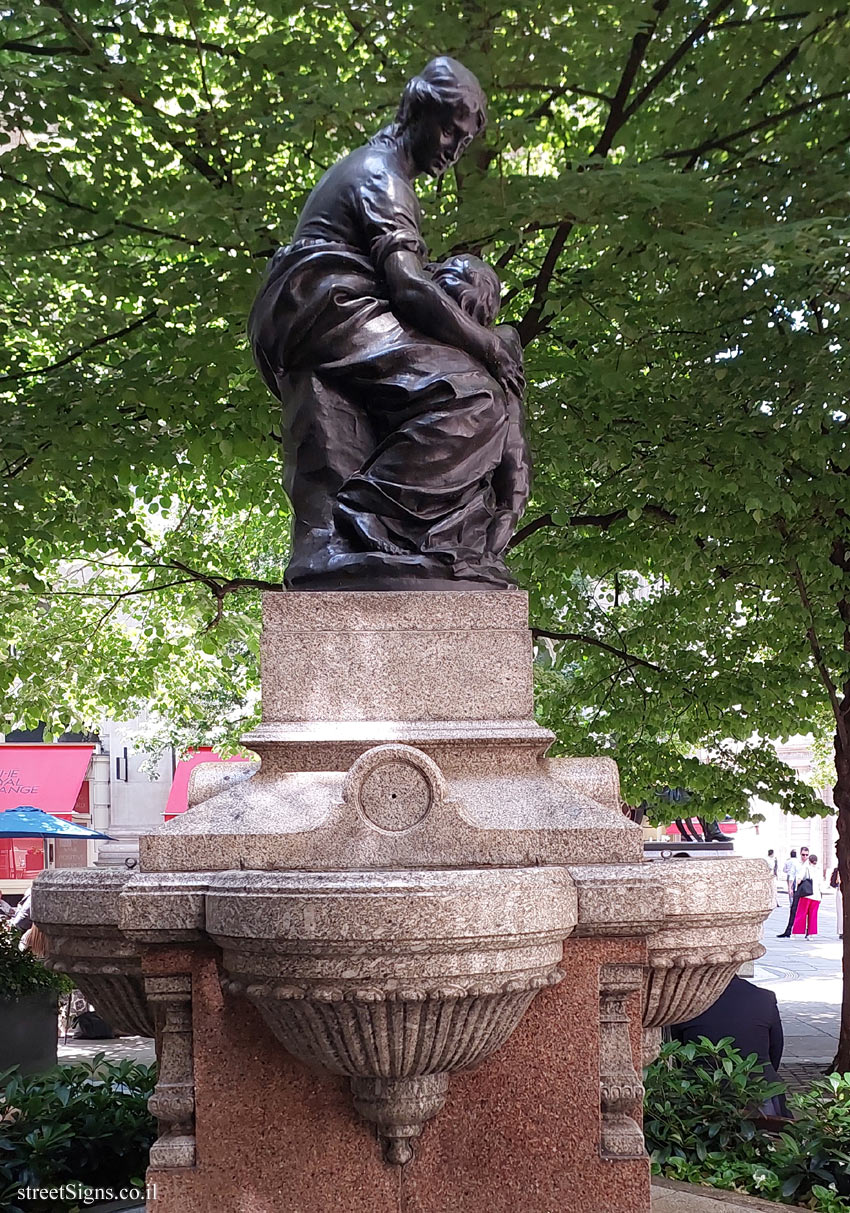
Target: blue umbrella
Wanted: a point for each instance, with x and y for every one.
(28, 822)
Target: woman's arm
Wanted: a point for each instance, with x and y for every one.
(420, 302)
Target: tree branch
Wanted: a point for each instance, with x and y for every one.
(171, 40)
(154, 116)
(699, 31)
(694, 153)
(146, 230)
(602, 521)
(617, 115)
(531, 323)
(55, 366)
(581, 638)
(559, 90)
(30, 48)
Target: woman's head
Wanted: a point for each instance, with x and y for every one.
(813, 859)
(472, 284)
(441, 111)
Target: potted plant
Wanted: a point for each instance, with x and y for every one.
(28, 1007)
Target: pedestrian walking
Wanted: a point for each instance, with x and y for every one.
(810, 888)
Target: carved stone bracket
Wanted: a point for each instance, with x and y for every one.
(173, 1101)
(651, 1045)
(396, 1047)
(77, 910)
(681, 984)
(620, 1088)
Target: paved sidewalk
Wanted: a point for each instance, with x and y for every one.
(805, 975)
(123, 1048)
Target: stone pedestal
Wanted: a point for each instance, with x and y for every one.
(407, 962)
(523, 1132)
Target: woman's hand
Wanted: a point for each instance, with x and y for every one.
(504, 367)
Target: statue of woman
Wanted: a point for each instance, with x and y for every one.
(397, 400)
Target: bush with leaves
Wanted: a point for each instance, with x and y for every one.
(21, 973)
(85, 1125)
(701, 1127)
(701, 1099)
(817, 1147)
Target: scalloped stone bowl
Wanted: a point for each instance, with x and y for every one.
(393, 980)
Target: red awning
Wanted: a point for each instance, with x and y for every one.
(727, 827)
(48, 777)
(178, 796)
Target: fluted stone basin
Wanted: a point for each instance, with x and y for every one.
(77, 909)
(701, 918)
(395, 980)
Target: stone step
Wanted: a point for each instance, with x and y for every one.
(669, 1196)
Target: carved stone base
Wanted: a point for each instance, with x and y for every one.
(173, 1151)
(399, 1109)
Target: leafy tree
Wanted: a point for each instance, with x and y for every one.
(664, 188)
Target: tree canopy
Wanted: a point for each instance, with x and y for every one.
(663, 187)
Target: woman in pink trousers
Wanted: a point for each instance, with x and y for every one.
(806, 919)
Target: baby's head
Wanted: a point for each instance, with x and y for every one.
(472, 284)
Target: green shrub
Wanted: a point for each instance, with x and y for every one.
(701, 1098)
(21, 973)
(699, 1125)
(718, 1170)
(84, 1124)
(816, 1149)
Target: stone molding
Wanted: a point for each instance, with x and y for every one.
(173, 1100)
(621, 1090)
(77, 910)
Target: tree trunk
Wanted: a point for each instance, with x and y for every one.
(841, 793)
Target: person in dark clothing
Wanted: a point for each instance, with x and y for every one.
(798, 893)
(750, 1015)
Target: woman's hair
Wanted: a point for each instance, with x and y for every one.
(473, 285)
(444, 84)
(813, 858)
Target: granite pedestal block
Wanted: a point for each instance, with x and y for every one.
(406, 963)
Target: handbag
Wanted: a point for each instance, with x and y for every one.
(805, 888)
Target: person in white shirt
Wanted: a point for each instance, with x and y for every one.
(806, 919)
(789, 871)
(802, 868)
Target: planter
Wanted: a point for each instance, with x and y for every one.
(28, 1032)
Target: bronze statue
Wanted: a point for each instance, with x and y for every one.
(404, 455)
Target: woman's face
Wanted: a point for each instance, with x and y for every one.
(439, 139)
